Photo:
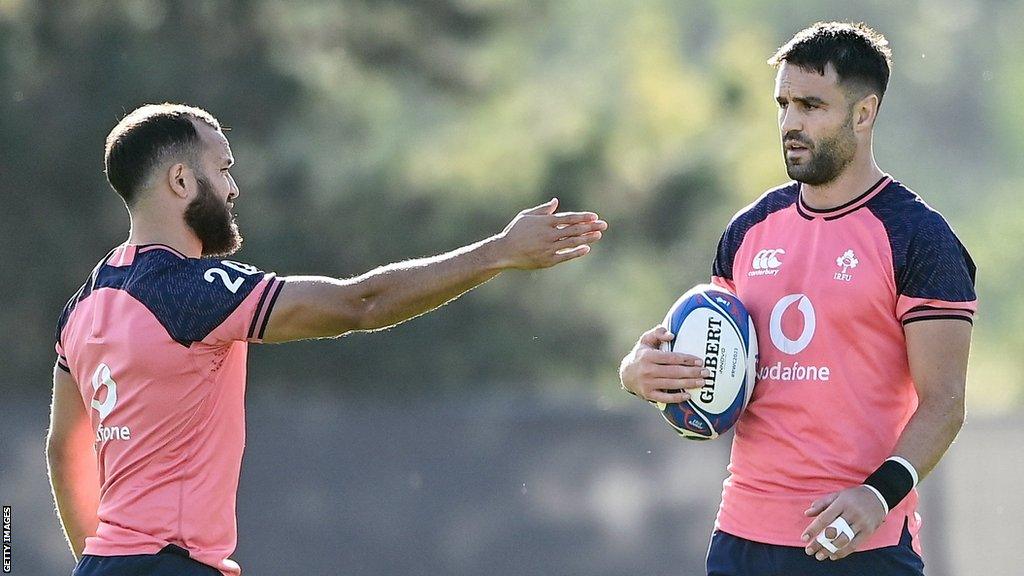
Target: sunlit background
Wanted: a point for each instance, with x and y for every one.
(491, 437)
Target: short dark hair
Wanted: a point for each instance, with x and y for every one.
(859, 54)
(148, 137)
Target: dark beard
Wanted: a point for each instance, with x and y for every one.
(212, 222)
(828, 158)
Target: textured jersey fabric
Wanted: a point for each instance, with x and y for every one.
(830, 292)
(157, 343)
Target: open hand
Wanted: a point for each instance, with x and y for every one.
(540, 238)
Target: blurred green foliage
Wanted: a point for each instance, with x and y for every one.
(367, 132)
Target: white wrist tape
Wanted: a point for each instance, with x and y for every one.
(885, 505)
(906, 464)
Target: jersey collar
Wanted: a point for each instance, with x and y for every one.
(840, 211)
(125, 254)
(147, 247)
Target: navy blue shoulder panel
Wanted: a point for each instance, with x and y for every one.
(771, 201)
(190, 297)
(80, 295)
(70, 307)
(929, 261)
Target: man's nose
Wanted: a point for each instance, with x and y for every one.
(789, 121)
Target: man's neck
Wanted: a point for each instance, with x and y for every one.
(180, 238)
(856, 179)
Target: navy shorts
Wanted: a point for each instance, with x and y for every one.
(171, 561)
(729, 555)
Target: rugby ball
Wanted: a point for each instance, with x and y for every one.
(711, 323)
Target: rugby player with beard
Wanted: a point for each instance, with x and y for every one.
(863, 299)
(147, 425)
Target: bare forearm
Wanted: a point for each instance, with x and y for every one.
(930, 432)
(404, 290)
(75, 486)
(318, 307)
(937, 351)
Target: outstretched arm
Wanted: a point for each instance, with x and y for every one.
(318, 307)
(72, 463)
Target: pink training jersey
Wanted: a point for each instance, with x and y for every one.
(830, 292)
(157, 344)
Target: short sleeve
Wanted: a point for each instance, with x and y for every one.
(721, 268)
(936, 280)
(210, 300)
(62, 359)
(58, 337)
(249, 319)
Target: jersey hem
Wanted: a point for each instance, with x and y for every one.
(873, 543)
(741, 512)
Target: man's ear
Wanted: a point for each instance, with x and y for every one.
(865, 111)
(180, 179)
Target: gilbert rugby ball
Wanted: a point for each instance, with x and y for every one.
(711, 323)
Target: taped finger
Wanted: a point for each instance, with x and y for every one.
(850, 548)
(835, 535)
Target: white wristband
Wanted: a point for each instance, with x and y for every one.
(885, 505)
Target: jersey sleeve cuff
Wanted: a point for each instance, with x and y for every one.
(920, 313)
(910, 309)
(263, 309)
(62, 363)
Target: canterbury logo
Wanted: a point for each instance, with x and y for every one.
(100, 379)
(780, 340)
(766, 262)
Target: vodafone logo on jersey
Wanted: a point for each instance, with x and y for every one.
(101, 379)
(781, 341)
(794, 371)
(766, 262)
